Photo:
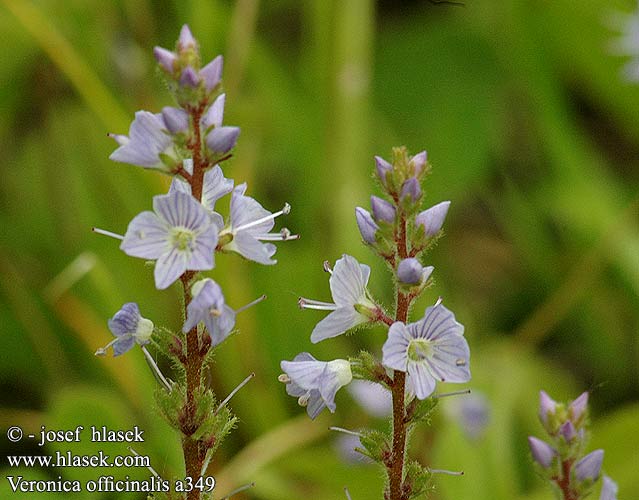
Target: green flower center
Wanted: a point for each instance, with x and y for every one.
(183, 239)
(419, 349)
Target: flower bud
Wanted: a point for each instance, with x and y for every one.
(212, 73)
(541, 451)
(547, 407)
(433, 218)
(383, 168)
(382, 209)
(412, 189)
(589, 467)
(175, 119)
(186, 39)
(578, 407)
(567, 430)
(410, 271)
(366, 224)
(189, 78)
(222, 139)
(165, 58)
(419, 162)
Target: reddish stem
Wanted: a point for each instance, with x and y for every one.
(396, 469)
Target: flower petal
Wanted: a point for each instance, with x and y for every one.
(422, 381)
(123, 344)
(245, 210)
(212, 73)
(146, 237)
(336, 323)
(449, 361)
(348, 281)
(215, 113)
(169, 267)
(395, 349)
(215, 186)
(251, 248)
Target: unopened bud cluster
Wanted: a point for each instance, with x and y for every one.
(563, 459)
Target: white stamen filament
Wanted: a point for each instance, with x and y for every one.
(347, 493)
(455, 393)
(345, 431)
(156, 370)
(284, 378)
(153, 471)
(327, 267)
(447, 472)
(103, 350)
(238, 490)
(107, 233)
(315, 304)
(283, 235)
(439, 301)
(285, 211)
(234, 392)
(250, 304)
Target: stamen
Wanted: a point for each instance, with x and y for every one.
(102, 351)
(455, 393)
(283, 235)
(285, 210)
(447, 472)
(284, 378)
(153, 471)
(215, 312)
(107, 233)
(303, 400)
(234, 392)
(439, 301)
(345, 431)
(347, 493)
(460, 362)
(238, 490)
(327, 267)
(315, 304)
(250, 304)
(156, 370)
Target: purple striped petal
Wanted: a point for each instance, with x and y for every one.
(146, 237)
(169, 267)
(348, 281)
(336, 323)
(395, 349)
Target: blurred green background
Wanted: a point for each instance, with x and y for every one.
(532, 134)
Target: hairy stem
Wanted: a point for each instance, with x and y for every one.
(564, 481)
(194, 451)
(396, 468)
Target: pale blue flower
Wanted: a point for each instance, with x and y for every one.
(411, 189)
(374, 398)
(418, 162)
(250, 224)
(432, 219)
(433, 348)
(541, 451)
(180, 235)
(472, 413)
(148, 144)
(352, 303)
(208, 305)
(314, 382)
(129, 328)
